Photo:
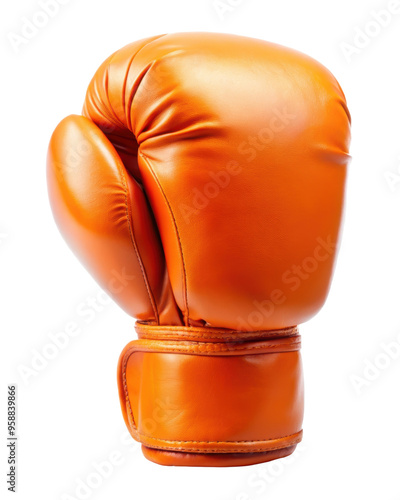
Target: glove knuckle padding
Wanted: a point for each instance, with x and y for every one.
(208, 171)
(191, 113)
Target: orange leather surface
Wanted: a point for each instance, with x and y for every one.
(219, 397)
(164, 457)
(93, 199)
(202, 334)
(191, 105)
(203, 188)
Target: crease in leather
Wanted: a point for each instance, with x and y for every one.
(128, 117)
(184, 277)
(134, 244)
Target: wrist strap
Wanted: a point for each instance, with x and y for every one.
(215, 395)
(203, 334)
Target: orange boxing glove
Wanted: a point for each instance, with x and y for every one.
(203, 188)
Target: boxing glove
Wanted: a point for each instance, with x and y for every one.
(203, 188)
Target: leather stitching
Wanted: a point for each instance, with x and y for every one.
(147, 331)
(165, 328)
(240, 347)
(127, 400)
(224, 350)
(132, 418)
(221, 450)
(133, 240)
(184, 278)
(295, 436)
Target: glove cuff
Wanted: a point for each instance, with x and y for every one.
(211, 397)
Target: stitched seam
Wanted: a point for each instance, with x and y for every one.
(128, 207)
(133, 240)
(224, 450)
(233, 349)
(128, 119)
(146, 325)
(200, 333)
(233, 337)
(284, 445)
(294, 436)
(124, 183)
(144, 330)
(184, 278)
(128, 403)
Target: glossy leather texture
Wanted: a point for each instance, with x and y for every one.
(203, 188)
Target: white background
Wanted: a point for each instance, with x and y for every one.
(69, 415)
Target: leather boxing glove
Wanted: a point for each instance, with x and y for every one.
(203, 188)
